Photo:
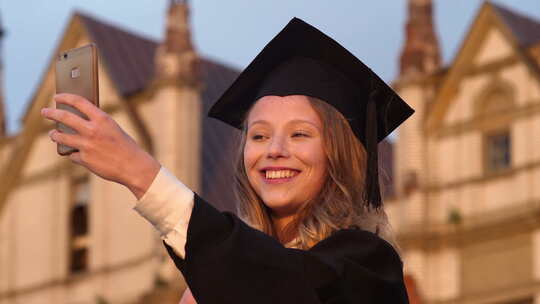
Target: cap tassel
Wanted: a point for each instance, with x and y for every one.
(372, 191)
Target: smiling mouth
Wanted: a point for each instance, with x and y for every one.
(278, 176)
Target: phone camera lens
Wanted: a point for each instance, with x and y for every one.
(65, 56)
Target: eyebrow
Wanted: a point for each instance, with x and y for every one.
(262, 121)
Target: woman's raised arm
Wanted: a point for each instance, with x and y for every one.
(104, 148)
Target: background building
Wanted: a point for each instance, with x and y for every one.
(461, 191)
(467, 171)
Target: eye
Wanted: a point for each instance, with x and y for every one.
(257, 137)
(300, 134)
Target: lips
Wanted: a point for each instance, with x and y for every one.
(274, 175)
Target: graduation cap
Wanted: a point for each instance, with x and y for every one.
(301, 60)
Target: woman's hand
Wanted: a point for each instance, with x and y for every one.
(104, 148)
(187, 298)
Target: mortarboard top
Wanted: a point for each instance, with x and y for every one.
(301, 60)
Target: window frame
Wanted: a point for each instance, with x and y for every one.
(488, 169)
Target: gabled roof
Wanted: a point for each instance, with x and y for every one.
(130, 71)
(521, 32)
(525, 29)
(129, 57)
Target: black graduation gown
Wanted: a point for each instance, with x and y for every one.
(229, 262)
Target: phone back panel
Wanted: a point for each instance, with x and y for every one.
(76, 73)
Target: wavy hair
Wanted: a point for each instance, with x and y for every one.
(340, 202)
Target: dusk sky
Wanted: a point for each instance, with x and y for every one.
(232, 32)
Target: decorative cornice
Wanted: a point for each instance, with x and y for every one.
(481, 123)
(486, 177)
(491, 67)
(493, 225)
(74, 279)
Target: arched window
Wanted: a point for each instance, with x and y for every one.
(493, 111)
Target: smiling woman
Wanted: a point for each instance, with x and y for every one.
(314, 228)
(283, 160)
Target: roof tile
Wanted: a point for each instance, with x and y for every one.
(525, 28)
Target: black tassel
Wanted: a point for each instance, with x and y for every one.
(372, 191)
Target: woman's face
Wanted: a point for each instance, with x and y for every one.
(283, 155)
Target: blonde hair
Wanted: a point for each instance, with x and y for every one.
(338, 205)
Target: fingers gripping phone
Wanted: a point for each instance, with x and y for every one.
(76, 73)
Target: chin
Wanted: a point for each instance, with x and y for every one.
(280, 206)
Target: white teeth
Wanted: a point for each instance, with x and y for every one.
(279, 174)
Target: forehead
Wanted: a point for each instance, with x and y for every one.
(277, 109)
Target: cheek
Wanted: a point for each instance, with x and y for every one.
(320, 172)
(321, 166)
(315, 156)
(251, 155)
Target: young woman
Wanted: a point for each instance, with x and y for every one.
(313, 228)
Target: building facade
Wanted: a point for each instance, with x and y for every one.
(467, 163)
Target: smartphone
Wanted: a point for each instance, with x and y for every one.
(76, 73)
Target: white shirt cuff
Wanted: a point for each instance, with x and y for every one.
(167, 205)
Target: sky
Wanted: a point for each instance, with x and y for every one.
(230, 31)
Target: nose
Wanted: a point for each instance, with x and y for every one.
(278, 147)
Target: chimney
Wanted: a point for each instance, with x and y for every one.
(176, 58)
(178, 37)
(421, 53)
